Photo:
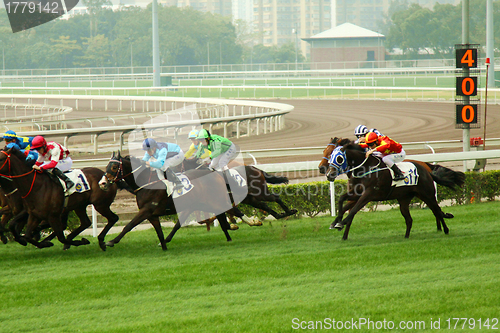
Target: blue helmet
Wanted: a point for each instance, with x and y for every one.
(10, 134)
(149, 144)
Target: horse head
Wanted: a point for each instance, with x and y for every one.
(114, 170)
(346, 158)
(327, 152)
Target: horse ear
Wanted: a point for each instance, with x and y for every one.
(112, 155)
(119, 155)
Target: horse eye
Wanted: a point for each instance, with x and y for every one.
(339, 160)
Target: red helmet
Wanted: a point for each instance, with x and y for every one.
(371, 137)
(38, 142)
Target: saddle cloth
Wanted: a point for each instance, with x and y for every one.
(410, 172)
(78, 177)
(238, 178)
(188, 186)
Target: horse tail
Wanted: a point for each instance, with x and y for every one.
(447, 177)
(274, 179)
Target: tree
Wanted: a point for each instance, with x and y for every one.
(97, 52)
(64, 47)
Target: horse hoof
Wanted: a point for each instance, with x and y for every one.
(257, 224)
(338, 226)
(102, 245)
(66, 247)
(110, 244)
(85, 241)
(448, 215)
(293, 211)
(234, 227)
(4, 239)
(46, 244)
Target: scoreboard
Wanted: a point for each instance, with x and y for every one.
(467, 100)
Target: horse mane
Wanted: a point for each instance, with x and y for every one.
(354, 146)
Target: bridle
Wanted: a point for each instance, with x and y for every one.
(117, 178)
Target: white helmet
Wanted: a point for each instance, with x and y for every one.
(376, 131)
(360, 131)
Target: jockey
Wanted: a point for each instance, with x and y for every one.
(196, 149)
(390, 151)
(52, 157)
(360, 133)
(222, 150)
(163, 156)
(21, 143)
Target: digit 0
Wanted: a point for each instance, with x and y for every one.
(468, 86)
(468, 114)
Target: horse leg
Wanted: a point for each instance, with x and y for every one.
(341, 211)
(112, 218)
(287, 210)
(224, 225)
(15, 224)
(182, 216)
(143, 214)
(363, 200)
(431, 202)
(176, 227)
(85, 222)
(404, 207)
(33, 222)
(155, 221)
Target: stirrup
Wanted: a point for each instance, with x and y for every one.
(69, 184)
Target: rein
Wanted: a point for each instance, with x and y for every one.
(19, 176)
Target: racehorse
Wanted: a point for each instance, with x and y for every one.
(258, 191)
(12, 206)
(376, 184)
(44, 200)
(353, 197)
(154, 202)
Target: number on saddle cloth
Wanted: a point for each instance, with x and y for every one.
(411, 174)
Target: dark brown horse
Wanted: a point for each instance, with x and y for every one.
(353, 197)
(372, 181)
(42, 199)
(208, 194)
(14, 216)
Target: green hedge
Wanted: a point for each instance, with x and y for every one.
(311, 199)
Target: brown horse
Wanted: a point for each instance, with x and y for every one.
(12, 206)
(32, 185)
(374, 183)
(258, 191)
(208, 194)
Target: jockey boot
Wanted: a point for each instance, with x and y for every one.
(63, 177)
(173, 178)
(398, 175)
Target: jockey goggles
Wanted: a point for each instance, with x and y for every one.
(338, 160)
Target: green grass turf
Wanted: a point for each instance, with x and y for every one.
(269, 279)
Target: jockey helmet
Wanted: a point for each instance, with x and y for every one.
(376, 131)
(203, 135)
(149, 144)
(38, 142)
(193, 134)
(9, 135)
(371, 137)
(360, 130)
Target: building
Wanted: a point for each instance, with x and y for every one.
(277, 22)
(348, 46)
